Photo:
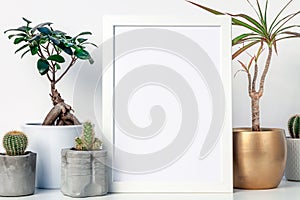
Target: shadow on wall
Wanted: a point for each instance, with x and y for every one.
(87, 95)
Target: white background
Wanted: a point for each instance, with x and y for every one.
(24, 93)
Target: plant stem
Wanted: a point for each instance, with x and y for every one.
(264, 74)
(255, 112)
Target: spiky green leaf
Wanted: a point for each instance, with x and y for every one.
(244, 48)
(237, 39)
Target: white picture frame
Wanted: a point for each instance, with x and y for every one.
(138, 44)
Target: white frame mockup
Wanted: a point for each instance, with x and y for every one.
(225, 140)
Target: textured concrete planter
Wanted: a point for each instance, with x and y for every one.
(48, 141)
(17, 174)
(292, 171)
(83, 173)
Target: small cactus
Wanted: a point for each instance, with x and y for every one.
(87, 140)
(294, 126)
(15, 143)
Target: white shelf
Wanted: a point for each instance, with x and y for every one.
(286, 190)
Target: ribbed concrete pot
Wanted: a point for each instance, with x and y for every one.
(83, 173)
(17, 174)
(292, 170)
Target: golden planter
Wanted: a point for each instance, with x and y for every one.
(259, 158)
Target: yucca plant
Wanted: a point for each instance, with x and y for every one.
(57, 53)
(262, 33)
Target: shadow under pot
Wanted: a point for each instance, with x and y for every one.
(17, 174)
(83, 173)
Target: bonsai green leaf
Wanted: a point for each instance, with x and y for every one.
(26, 20)
(25, 53)
(35, 38)
(244, 48)
(54, 40)
(22, 47)
(82, 54)
(21, 29)
(18, 40)
(58, 32)
(56, 58)
(57, 66)
(19, 34)
(90, 44)
(34, 49)
(40, 25)
(81, 40)
(43, 66)
(83, 33)
(91, 60)
(69, 44)
(67, 50)
(44, 30)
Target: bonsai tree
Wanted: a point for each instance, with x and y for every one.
(263, 34)
(57, 52)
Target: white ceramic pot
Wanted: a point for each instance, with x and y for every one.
(47, 142)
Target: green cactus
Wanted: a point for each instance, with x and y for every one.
(15, 143)
(87, 140)
(294, 126)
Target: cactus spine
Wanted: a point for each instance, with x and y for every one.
(15, 143)
(294, 126)
(87, 140)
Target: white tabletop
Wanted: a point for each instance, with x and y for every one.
(286, 190)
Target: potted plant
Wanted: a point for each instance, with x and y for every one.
(259, 154)
(17, 167)
(83, 167)
(57, 52)
(292, 171)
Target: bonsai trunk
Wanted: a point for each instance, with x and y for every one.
(60, 114)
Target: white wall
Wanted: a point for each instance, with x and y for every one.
(24, 93)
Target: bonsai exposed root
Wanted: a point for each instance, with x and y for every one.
(61, 114)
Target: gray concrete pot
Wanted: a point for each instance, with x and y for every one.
(292, 170)
(83, 173)
(17, 174)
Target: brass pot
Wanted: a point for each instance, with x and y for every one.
(259, 158)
